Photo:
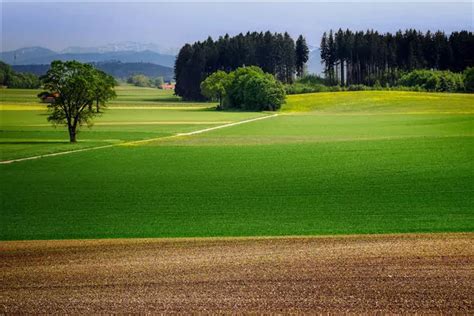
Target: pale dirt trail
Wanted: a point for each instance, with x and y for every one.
(391, 273)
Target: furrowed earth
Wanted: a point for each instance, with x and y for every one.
(344, 163)
(430, 273)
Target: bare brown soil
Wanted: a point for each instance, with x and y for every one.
(390, 273)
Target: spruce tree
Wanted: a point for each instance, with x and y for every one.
(302, 55)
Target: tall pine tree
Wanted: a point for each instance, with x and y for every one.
(302, 55)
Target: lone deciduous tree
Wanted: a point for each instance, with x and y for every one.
(104, 89)
(76, 87)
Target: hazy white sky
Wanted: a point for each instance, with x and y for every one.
(58, 25)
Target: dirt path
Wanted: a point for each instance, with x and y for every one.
(393, 273)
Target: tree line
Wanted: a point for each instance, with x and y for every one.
(140, 80)
(369, 57)
(274, 53)
(13, 79)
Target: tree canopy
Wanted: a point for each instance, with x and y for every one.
(274, 53)
(104, 89)
(76, 88)
(469, 79)
(246, 88)
(215, 86)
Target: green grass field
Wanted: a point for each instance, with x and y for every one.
(137, 113)
(330, 163)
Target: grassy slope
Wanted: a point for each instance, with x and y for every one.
(326, 171)
(378, 102)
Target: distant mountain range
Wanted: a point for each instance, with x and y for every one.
(122, 46)
(113, 68)
(127, 56)
(41, 55)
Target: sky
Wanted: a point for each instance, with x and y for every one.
(58, 25)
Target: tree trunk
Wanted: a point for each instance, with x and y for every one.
(342, 73)
(72, 134)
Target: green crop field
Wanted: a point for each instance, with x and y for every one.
(329, 163)
(137, 113)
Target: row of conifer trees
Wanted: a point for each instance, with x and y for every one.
(367, 57)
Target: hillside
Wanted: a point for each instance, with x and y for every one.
(21, 55)
(116, 69)
(40, 55)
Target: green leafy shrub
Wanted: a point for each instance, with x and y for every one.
(262, 93)
(433, 80)
(246, 88)
(335, 89)
(298, 88)
(358, 87)
(469, 79)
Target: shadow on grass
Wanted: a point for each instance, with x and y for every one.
(166, 99)
(213, 108)
(39, 142)
(208, 109)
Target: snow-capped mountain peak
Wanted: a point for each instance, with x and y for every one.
(120, 47)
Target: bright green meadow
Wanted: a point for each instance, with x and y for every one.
(329, 163)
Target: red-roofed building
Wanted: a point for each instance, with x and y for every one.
(48, 97)
(167, 86)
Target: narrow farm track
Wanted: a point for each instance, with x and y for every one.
(426, 273)
(138, 141)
